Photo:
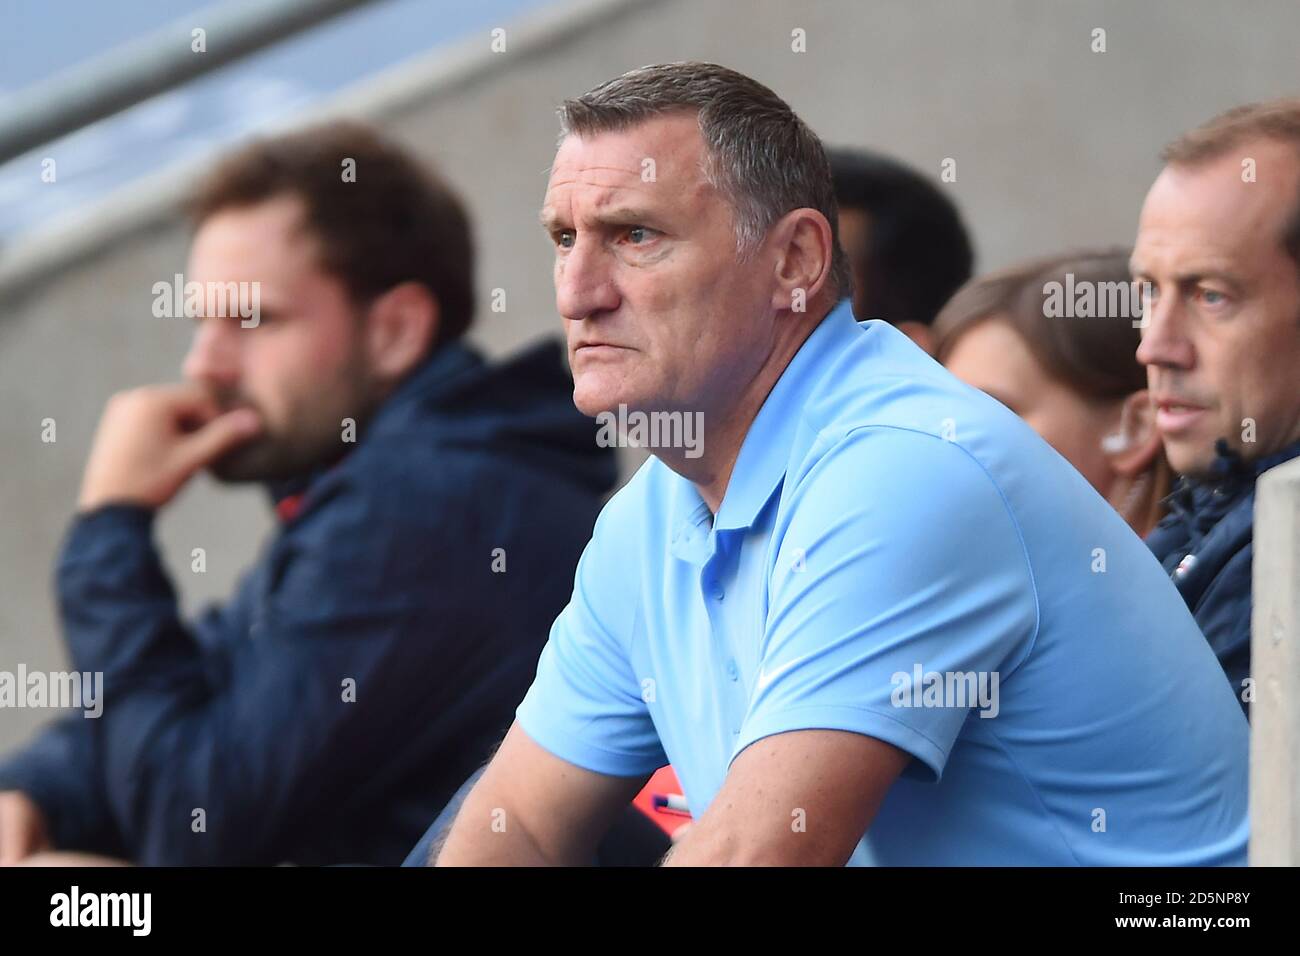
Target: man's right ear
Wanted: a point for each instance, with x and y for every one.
(802, 239)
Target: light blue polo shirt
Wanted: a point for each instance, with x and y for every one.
(900, 556)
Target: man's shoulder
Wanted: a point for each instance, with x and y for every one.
(911, 419)
(390, 474)
(508, 427)
(893, 384)
(921, 448)
(392, 493)
(435, 457)
(890, 394)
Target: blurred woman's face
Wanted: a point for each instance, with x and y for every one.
(993, 357)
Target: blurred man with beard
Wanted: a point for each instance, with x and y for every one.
(432, 509)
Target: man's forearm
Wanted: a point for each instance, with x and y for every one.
(486, 835)
(467, 848)
(116, 604)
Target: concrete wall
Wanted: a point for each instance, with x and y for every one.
(1275, 667)
(1055, 146)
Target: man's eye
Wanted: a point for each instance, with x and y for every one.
(638, 234)
(564, 239)
(1212, 296)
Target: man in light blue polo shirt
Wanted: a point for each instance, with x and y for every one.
(872, 607)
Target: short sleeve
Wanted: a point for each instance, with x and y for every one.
(585, 705)
(899, 560)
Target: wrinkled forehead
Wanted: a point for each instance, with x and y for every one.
(661, 159)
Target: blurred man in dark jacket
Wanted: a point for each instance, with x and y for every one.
(432, 509)
(1219, 243)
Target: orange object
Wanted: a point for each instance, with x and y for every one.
(664, 781)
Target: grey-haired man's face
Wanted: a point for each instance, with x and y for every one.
(659, 313)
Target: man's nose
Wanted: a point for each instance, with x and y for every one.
(1164, 338)
(584, 281)
(213, 358)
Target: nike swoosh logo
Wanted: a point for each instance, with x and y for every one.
(766, 677)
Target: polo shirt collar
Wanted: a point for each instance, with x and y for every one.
(765, 453)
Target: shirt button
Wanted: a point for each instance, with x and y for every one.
(732, 672)
(718, 593)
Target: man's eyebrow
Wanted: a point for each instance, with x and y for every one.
(1196, 275)
(1193, 276)
(625, 215)
(612, 215)
(1188, 276)
(265, 313)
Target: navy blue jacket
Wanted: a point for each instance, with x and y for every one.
(388, 577)
(1205, 543)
